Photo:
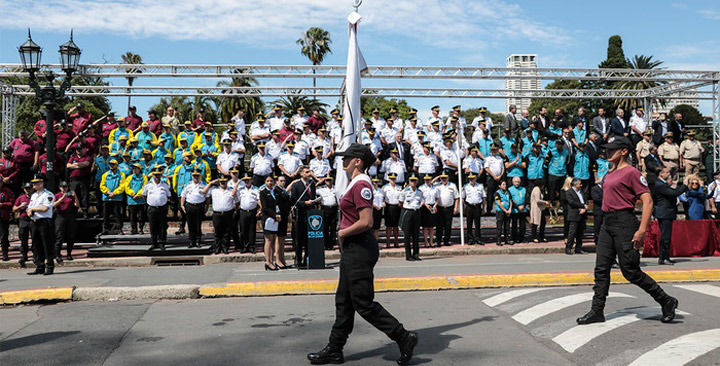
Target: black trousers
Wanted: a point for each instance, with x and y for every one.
(99, 203)
(554, 185)
(492, 186)
(503, 224)
(81, 187)
(616, 240)
(222, 222)
(24, 234)
(355, 292)
(5, 236)
(138, 214)
(518, 226)
(194, 213)
(258, 180)
(248, 224)
(410, 223)
(234, 230)
(541, 233)
(474, 216)
(301, 239)
(444, 224)
(157, 217)
(112, 208)
(65, 228)
(330, 218)
(575, 234)
(665, 238)
(597, 225)
(43, 237)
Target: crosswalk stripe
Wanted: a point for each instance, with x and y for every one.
(709, 290)
(578, 336)
(525, 317)
(681, 350)
(507, 296)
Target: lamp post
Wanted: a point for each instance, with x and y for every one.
(30, 54)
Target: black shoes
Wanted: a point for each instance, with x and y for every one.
(49, 271)
(410, 259)
(69, 257)
(180, 232)
(416, 258)
(5, 257)
(668, 309)
(327, 355)
(38, 270)
(268, 268)
(568, 251)
(593, 316)
(59, 259)
(580, 252)
(407, 344)
(499, 244)
(666, 262)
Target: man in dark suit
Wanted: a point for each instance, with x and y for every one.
(577, 215)
(653, 166)
(665, 199)
(596, 193)
(404, 150)
(618, 126)
(303, 197)
(601, 126)
(661, 126)
(592, 148)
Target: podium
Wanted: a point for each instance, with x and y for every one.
(316, 240)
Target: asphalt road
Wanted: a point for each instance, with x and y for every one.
(489, 327)
(17, 279)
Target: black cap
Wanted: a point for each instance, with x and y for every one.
(361, 151)
(28, 185)
(615, 143)
(7, 149)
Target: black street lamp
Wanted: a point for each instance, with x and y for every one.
(30, 54)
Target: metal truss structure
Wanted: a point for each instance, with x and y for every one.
(674, 84)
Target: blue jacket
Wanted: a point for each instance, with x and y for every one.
(519, 198)
(182, 176)
(112, 182)
(616, 127)
(556, 162)
(504, 198)
(582, 165)
(133, 185)
(696, 199)
(535, 168)
(102, 166)
(516, 170)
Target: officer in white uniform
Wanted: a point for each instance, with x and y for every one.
(227, 159)
(411, 200)
(474, 194)
(249, 198)
(289, 163)
(448, 200)
(473, 164)
(426, 163)
(156, 193)
(493, 164)
(319, 167)
(392, 192)
(261, 165)
(192, 202)
(434, 118)
(40, 212)
(329, 208)
(427, 212)
(224, 199)
(259, 131)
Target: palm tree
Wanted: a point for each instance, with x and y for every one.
(293, 101)
(228, 105)
(131, 59)
(639, 62)
(315, 44)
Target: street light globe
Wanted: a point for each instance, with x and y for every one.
(30, 54)
(69, 55)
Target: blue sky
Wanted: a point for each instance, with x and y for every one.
(397, 32)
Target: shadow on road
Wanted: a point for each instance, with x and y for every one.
(433, 340)
(33, 340)
(85, 270)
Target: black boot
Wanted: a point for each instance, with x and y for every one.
(407, 344)
(668, 309)
(49, 271)
(38, 270)
(326, 355)
(593, 316)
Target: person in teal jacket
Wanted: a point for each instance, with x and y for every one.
(137, 206)
(514, 163)
(135, 150)
(181, 177)
(126, 166)
(519, 197)
(146, 139)
(113, 192)
(210, 151)
(101, 166)
(167, 135)
(181, 150)
(602, 165)
(503, 210)
(581, 169)
(188, 134)
(147, 163)
(160, 152)
(555, 162)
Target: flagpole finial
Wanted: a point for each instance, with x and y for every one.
(356, 4)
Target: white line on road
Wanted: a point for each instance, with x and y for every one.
(507, 296)
(681, 350)
(525, 317)
(578, 336)
(709, 290)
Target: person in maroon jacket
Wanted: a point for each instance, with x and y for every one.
(316, 120)
(63, 136)
(108, 126)
(59, 164)
(154, 122)
(199, 122)
(24, 222)
(81, 119)
(6, 202)
(79, 165)
(9, 173)
(25, 152)
(65, 209)
(133, 120)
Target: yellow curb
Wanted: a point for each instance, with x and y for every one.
(432, 283)
(44, 294)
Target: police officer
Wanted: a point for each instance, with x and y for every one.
(474, 194)
(495, 169)
(691, 152)
(65, 210)
(622, 235)
(261, 165)
(192, 202)
(359, 255)
(303, 197)
(392, 209)
(448, 200)
(223, 203)
(156, 193)
(40, 210)
(411, 199)
(669, 153)
(329, 208)
(249, 197)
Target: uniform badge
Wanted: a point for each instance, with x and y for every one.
(366, 193)
(643, 180)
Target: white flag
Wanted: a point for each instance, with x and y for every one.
(352, 115)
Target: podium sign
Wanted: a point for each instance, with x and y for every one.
(316, 240)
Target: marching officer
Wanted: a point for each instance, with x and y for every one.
(223, 203)
(411, 199)
(66, 208)
(192, 202)
(474, 194)
(156, 193)
(329, 208)
(40, 211)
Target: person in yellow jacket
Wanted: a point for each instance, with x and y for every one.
(200, 136)
(137, 206)
(120, 130)
(200, 163)
(112, 186)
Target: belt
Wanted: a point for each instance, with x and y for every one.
(253, 210)
(410, 209)
(221, 212)
(193, 204)
(473, 204)
(40, 220)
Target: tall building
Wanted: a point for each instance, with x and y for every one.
(525, 61)
(690, 99)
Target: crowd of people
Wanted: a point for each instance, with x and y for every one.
(521, 170)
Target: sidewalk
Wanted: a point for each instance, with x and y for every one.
(392, 274)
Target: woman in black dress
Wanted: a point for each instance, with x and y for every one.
(283, 200)
(271, 221)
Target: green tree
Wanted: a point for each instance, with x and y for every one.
(569, 106)
(615, 59)
(290, 103)
(130, 58)
(315, 44)
(182, 105)
(692, 117)
(639, 62)
(368, 103)
(228, 105)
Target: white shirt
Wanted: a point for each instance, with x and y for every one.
(328, 196)
(298, 121)
(290, 162)
(411, 199)
(474, 194)
(494, 163)
(326, 145)
(276, 123)
(261, 164)
(193, 193)
(426, 163)
(410, 133)
(257, 130)
(432, 119)
(239, 124)
(156, 194)
(430, 194)
(447, 194)
(39, 199)
(379, 123)
(639, 123)
(238, 145)
(394, 166)
(272, 148)
(248, 197)
(392, 194)
(222, 199)
(449, 155)
(321, 168)
(227, 160)
(488, 122)
(378, 197)
(302, 149)
(580, 196)
(474, 164)
(388, 133)
(714, 190)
